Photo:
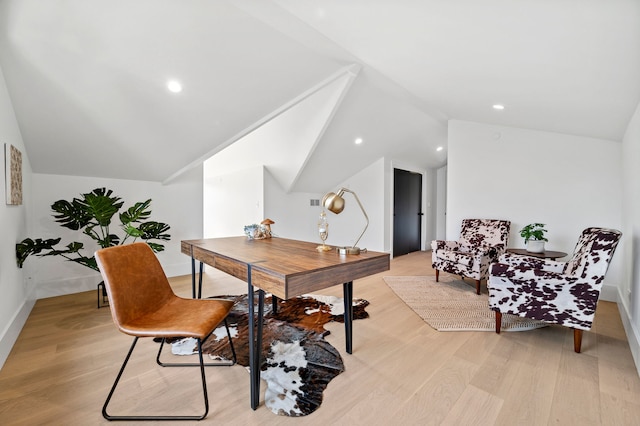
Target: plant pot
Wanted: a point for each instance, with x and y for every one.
(535, 246)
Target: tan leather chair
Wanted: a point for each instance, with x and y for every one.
(143, 304)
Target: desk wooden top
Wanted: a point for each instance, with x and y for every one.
(283, 267)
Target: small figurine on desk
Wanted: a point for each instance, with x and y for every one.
(267, 226)
(259, 232)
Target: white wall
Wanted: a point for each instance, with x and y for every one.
(567, 182)
(293, 214)
(629, 298)
(16, 299)
(232, 200)
(179, 204)
(345, 228)
(441, 203)
(430, 209)
(296, 219)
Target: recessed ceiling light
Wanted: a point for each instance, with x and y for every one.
(358, 141)
(498, 106)
(439, 148)
(174, 86)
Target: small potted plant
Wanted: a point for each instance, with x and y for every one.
(534, 238)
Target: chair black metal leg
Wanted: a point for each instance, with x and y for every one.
(115, 384)
(233, 350)
(192, 364)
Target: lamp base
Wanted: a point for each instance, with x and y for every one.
(348, 250)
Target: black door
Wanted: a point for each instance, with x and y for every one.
(407, 212)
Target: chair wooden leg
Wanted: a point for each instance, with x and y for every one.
(498, 321)
(477, 286)
(577, 340)
(437, 275)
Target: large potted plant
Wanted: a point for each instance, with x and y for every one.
(534, 238)
(92, 214)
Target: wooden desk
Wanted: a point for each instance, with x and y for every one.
(547, 254)
(285, 268)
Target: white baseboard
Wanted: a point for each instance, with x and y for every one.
(90, 282)
(633, 336)
(11, 333)
(609, 293)
(179, 269)
(67, 286)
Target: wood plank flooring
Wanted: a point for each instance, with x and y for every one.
(401, 370)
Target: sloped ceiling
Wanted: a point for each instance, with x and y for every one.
(566, 66)
(87, 78)
(285, 143)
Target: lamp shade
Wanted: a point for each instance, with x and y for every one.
(333, 202)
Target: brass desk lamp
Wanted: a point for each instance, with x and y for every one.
(335, 204)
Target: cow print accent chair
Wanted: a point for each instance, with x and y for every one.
(481, 243)
(564, 293)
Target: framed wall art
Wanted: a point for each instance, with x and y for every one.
(13, 174)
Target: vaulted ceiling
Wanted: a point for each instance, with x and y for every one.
(87, 78)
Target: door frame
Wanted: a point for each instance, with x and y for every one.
(425, 211)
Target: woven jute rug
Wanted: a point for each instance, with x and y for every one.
(453, 305)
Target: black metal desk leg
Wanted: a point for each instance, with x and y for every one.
(102, 293)
(258, 348)
(252, 341)
(193, 278)
(255, 340)
(347, 289)
(200, 280)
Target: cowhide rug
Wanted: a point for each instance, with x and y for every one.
(297, 363)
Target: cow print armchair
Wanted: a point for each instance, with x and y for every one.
(564, 293)
(481, 243)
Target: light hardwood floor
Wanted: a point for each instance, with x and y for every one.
(401, 370)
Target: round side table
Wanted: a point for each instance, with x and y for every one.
(547, 254)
